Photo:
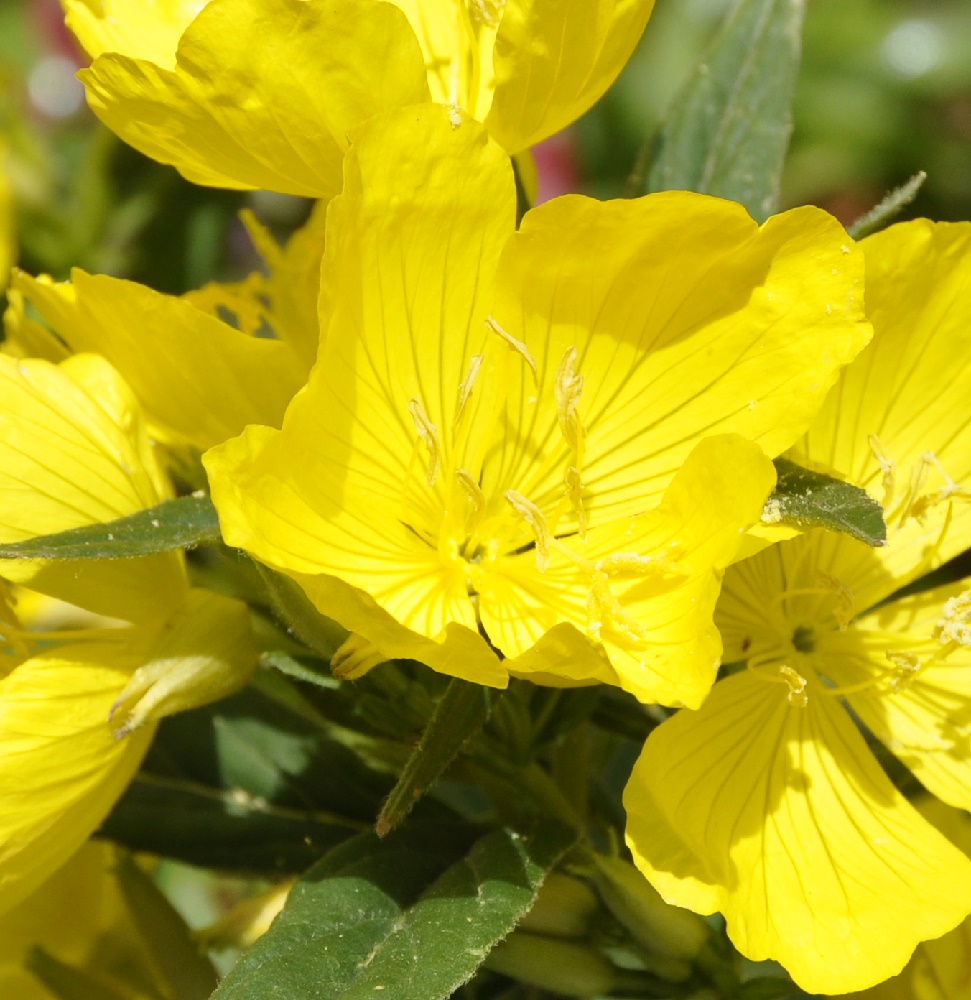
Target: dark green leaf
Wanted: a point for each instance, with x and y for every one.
(173, 524)
(249, 784)
(460, 713)
(411, 916)
(728, 131)
(808, 499)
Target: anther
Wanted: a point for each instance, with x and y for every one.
(907, 665)
(953, 628)
(567, 386)
(429, 436)
(533, 516)
(487, 12)
(465, 388)
(454, 115)
(516, 345)
(605, 612)
(574, 490)
(844, 610)
(887, 469)
(797, 687)
(473, 491)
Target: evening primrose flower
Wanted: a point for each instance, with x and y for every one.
(199, 379)
(767, 803)
(263, 93)
(498, 449)
(939, 969)
(77, 707)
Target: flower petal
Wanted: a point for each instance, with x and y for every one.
(264, 92)
(688, 320)
(61, 769)
(554, 60)
(925, 720)
(779, 816)
(199, 380)
(140, 30)
(909, 389)
(685, 544)
(74, 451)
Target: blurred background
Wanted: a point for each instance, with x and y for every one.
(885, 91)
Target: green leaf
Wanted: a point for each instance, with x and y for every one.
(173, 524)
(894, 203)
(409, 917)
(249, 784)
(808, 499)
(461, 712)
(728, 131)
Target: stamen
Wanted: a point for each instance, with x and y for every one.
(605, 612)
(574, 493)
(533, 516)
(465, 388)
(953, 628)
(907, 665)
(454, 113)
(472, 488)
(429, 436)
(844, 610)
(633, 565)
(919, 506)
(567, 386)
(487, 12)
(887, 469)
(797, 687)
(516, 345)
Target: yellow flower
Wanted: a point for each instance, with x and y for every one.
(74, 451)
(940, 969)
(263, 93)
(499, 435)
(199, 379)
(767, 803)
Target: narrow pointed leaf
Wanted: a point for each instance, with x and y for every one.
(172, 524)
(461, 712)
(728, 131)
(808, 499)
(410, 917)
(883, 213)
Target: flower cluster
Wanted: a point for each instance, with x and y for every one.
(534, 446)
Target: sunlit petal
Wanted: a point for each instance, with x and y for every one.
(776, 814)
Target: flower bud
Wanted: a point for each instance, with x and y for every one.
(564, 907)
(655, 925)
(576, 970)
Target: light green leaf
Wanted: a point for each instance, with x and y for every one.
(808, 499)
(728, 131)
(172, 524)
(409, 917)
